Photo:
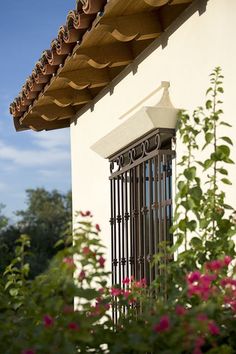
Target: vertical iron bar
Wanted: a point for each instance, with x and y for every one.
(132, 245)
(164, 180)
(140, 233)
(127, 218)
(115, 248)
(155, 213)
(150, 232)
(144, 230)
(135, 235)
(164, 176)
(112, 243)
(122, 229)
(119, 229)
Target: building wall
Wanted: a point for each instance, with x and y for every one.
(203, 40)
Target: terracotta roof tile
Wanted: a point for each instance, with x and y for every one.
(90, 50)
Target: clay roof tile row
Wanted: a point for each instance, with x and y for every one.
(77, 22)
(99, 39)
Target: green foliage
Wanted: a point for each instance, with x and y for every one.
(189, 309)
(201, 221)
(3, 219)
(45, 220)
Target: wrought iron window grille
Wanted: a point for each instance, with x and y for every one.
(141, 205)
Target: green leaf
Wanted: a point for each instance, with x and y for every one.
(186, 138)
(228, 207)
(196, 242)
(9, 283)
(190, 173)
(221, 154)
(191, 225)
(227, 139)
(220, 89)
(223, 171)
(200, 163)
(209, 90)
(182, 225)
(226, 181)
(226, 124)
(196, 193)
(88, 294)
(208, 163)
(209, 137)
(208, 104)
(14, 292)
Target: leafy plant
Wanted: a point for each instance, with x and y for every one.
(194, 312)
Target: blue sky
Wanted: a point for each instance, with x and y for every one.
(28, 159)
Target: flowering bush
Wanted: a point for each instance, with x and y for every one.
(190, 308)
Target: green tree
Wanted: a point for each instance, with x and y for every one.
(45, 220)
(3, 218)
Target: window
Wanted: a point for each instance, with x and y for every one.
(141, 204)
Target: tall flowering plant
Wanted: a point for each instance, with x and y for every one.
(189, 309)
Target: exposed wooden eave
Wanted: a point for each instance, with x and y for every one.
(69, 74)
(84, 78)
(68, 97)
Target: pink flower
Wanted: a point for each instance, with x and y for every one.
(233, 305)
(28, 351)
(227, 260)
(213, 328)
(101, 261)
(126, 293)
(163, 325)
(200, 284)
(116, 291)
(101, 291)
(86, 213)
(69, 261)
(98, 228)
(215, 265)
(48, 321)
(180, 310)
(198, 344)
(86, 250)
(73, 326)
(82, 275)
(141, 284)
(126, 281)
(200, 341)
(207, 279)
(228, 281)
(107, 307)
(193, 277)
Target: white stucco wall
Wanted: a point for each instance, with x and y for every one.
(201, 43)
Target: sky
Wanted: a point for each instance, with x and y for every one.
(28, 159)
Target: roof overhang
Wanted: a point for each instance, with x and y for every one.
(97, 42)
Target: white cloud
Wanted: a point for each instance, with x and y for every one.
(3, 186)
(48, 174)
(34, 157)
(49, 140)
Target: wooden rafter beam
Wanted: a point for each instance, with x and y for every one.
(86, 78)
(139, 26)
(37, 123)
(52, 112)
(68, 97)
(168, 14)
(112, 55)
(159, 3)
